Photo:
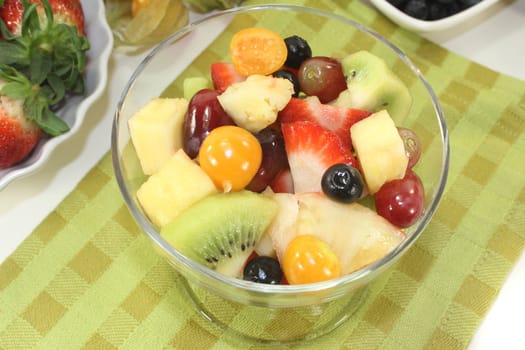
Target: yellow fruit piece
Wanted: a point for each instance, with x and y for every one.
(380, 150)
(257, 51)
(177, 185)
(254, 103)
(156, 131)
(356, 234)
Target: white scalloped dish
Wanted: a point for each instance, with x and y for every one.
(74, 110)
(420, 26)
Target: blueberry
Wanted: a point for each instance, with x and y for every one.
(298, 51)
(286, 74)
(465, 4)
(453, 8)
(263, 269)
(397, 3)
(343, 183)
(417, 9)
(437, 11)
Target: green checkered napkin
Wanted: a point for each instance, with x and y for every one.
(87, 278)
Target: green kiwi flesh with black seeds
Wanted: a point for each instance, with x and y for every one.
(221, 230)
(373, 86)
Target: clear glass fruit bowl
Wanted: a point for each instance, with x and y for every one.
(189, 52)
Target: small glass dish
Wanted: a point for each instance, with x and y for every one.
(149, 26)
(191, 51)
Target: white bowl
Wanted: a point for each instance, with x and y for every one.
(73, 112)
(420, 26)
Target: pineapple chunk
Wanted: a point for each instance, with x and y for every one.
(380, 150)
(357, 235)
(254, 103)
(156, 131)
(177, 185)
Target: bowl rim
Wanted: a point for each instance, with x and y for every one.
(267, 289)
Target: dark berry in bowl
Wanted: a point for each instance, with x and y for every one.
(417, 9)
(436, 11)
(453, 8)
(468, 3)
(273, 159)
(397, 3)
(263, 269)
(431, 10)
(298, 51)
(342, 183)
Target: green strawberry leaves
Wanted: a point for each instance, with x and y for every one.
(42, 65)
(12, 53)
(69, 59)
(36, 100)
(38, 106)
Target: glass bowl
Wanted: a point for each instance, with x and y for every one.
(190, 52)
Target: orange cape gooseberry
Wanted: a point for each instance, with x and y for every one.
(308, 259)
(257, 51)
(230, 156)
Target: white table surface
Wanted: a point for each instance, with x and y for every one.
(497, 41)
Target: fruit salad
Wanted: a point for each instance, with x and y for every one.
(283, 166)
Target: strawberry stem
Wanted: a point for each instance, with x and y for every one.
(36, 100)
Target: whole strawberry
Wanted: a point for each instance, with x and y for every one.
(25, 114)
(18, 135)
(65, 11)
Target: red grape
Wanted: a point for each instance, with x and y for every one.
(322, 77)
(412, 145)
(204, 114)
(273, 161)
(402, 201)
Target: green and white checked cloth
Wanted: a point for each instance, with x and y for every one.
(87, 278)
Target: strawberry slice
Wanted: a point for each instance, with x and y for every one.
(337, 119)
(311, 149)
(223, 74)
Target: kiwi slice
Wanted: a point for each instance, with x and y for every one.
(221, 230)
(372, 86)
